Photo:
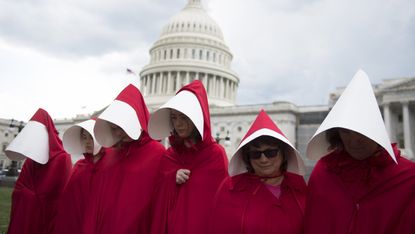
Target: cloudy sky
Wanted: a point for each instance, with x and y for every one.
(70, 57)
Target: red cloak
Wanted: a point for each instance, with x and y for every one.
(243, 204)
(126, 183)
(125, 189)
(407, 224)
(74, 201)
(185, 208)
(352, 196)
(39, 186)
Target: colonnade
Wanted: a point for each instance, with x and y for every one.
(167, 83)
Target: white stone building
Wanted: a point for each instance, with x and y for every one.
(191, 46)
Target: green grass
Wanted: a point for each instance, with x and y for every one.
(5, 204)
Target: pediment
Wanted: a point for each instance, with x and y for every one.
(404, 84)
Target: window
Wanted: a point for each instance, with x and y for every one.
(165, 54)
(178, 53)
(207, 56)
(200, 54)
(171, 53)
(6, 134)
(193, 53)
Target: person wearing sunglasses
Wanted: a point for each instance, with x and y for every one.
(266, 191)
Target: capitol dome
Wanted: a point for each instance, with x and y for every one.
(191, 46)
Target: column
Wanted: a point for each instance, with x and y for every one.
(387, 118)
(407, 133)
(213, 86)
(169, 83)
(225, 87)
(160, 84)
(204, 81)
(233, 91)
(145, 85)
(178, 78)
(228, 88)
(187, 78)
(222, 87)
(153, 83)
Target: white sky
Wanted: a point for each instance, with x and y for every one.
(70, 57)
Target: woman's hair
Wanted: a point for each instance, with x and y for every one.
(266, 140)
(84, 132)
(176, 140)
(333, 138)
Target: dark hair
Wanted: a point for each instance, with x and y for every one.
(84, 131)
(266, 140)
(195, 135)
(333, 138)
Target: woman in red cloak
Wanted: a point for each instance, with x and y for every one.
(79, 139)
(266, 193)
(193, 166)
(362, 184)
(43, 176)
(125, 183)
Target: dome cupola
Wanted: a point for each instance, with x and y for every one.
(191, 46)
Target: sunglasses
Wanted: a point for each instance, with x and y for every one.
(269, 153)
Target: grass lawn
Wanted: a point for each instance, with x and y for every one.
(5, 203)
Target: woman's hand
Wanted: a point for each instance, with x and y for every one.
(182, 175)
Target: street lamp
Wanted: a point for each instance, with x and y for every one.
(226, 138)
(13, 166)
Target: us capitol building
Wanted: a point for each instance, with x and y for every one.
(191, 47)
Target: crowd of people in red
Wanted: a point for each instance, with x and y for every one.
(128, 182)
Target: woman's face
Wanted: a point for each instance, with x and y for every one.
(87, 142)
(357, 145)
(118, 133)
(265, 159)
(181, 123)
